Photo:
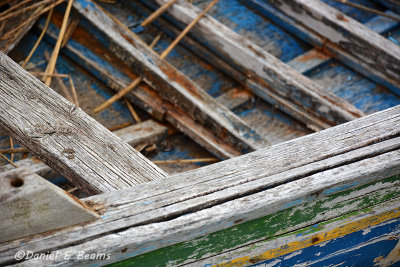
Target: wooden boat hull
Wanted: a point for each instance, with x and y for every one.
(327, 198)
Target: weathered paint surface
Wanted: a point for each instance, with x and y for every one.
(320, 239)
(273, 226)
(377, 250)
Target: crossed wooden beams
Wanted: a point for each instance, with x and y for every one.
(85, 152)
(150, 216)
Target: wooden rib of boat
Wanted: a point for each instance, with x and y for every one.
(270, 135)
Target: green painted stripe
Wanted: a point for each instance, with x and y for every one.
(272, 226)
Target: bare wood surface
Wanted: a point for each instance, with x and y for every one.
(234, 191)
(54, 55)
(187, 29)
(170, 83)
(147, 132)
(30, 205)
(157, 13)
(127, 89)
(169, 228)
(66, 138)
(159, 108)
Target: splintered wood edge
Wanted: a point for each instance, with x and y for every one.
(337, 158)
(66, 138)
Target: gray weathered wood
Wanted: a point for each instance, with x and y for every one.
(144, 96)
(316, 58)
(7, 44)
(149, 235)
(66, 138)
(348, 38)
(170, 83)
(234, 98)
(147, 132)
(30, 205)
(258, 248)
(149, 100)
(220, 195)
(272, 80)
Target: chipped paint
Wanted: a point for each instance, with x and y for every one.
(317, 239)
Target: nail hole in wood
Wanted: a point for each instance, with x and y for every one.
(315, 239)
(16, 182)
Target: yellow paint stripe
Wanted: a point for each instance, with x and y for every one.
(316, 239)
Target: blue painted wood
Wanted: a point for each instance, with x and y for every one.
(257, 29)
(305, 34)
(351, 86)
(362, 248)
(355, 13)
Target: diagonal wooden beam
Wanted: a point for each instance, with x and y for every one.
(315, 58)
(192, 204)
(66, 138)
(345, 38)
(99, 61)
(170, 83)
(266, 76)
(147, 132)
(303, 63)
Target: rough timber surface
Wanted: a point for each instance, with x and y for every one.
(147, 132)
(377, 56)
(98, 60)
(171, 84)
(107, 71)
(6, 26)
(268, 77)
(65, 138)
(219, 196)
(327, 243)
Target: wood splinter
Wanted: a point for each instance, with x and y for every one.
(157, 13)
(53, 59)
(186, 30)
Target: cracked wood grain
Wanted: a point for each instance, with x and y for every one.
(66, 138)
(220, 195)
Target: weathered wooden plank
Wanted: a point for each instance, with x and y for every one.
(346, 38)
(147, 132)
(150, 235)
(275, 81)
(353, 231)
(9, 41)
(208, 248)
(118, 77)
(31, 205)
(303, 63)
(66, 138)
(170, 83)
(234, 98)
(329, 161)
(316, 58)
